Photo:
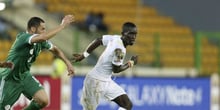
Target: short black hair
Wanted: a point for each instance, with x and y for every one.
(34, 22)
(128, 27)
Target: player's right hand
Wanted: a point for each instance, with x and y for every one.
(67, 20)
(135, 59)
(70, 70)
(77, 57)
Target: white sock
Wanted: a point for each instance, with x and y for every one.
(120, 108)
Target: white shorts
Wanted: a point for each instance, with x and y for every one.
(95, 89)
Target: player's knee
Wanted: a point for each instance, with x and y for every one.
(43, 102)
(128, 105)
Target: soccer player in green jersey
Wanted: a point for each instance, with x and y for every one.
(25, 49)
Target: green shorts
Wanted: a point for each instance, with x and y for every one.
(11, 89)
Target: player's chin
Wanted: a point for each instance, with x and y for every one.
(131, 43)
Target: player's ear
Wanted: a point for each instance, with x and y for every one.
(33, 29)
(124, 33)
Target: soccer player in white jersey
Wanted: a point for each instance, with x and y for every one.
(98, 81)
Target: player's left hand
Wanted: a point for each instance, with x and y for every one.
(77, 57)
(67, 20)
(7, 65)
(135, 59)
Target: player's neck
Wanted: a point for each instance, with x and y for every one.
(124, 43)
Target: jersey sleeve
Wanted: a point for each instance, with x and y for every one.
(47, 45)
(29, 40)
(25, 38)
(106, 39)
(118, 57)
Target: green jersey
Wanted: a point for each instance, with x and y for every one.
(23, 53)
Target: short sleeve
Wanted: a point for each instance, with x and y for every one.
(118, 57)
(24, 38)
(47, 45)
(29, 40)
(106, 39)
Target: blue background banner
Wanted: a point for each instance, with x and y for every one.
(155, 93)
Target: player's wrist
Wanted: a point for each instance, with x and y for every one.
(86, 54)
(130, 63)
(62, 26)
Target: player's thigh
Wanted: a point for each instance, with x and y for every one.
(123, 100)
(91, 93)
(41, 97)
(10, 91)
(32, 86)
(113, 90)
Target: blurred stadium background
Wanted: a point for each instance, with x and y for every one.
(177, 44)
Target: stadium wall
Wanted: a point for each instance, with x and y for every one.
(148, 88)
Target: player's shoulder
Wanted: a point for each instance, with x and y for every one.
(107, 35)
(112, 36)
(22, 34)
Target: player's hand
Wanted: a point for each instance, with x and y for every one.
(7, 65)
(67, 20)
(135, 59)
(77, 57)
(70, 70)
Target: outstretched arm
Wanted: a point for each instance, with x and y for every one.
(51, 33)
(91, 47)
(133, 61)
(56, 51)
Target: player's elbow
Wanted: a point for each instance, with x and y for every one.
(42, 40)
(116, 69)
(98, 41)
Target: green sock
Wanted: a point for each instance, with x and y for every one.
(33, 106)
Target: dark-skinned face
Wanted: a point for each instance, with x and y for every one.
(130, 36)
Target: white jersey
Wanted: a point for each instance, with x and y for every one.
(103, 68)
